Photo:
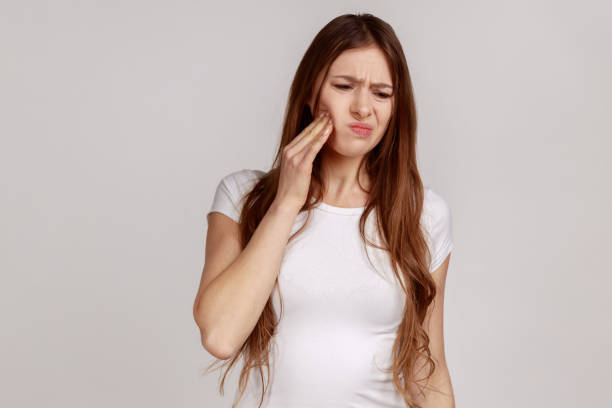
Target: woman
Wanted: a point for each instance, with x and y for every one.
(340, 236)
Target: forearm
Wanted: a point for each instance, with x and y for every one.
(231, 305)
(445, 398)
(441, 396)
(438, 390)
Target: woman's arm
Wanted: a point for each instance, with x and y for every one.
(236, 283)
(434, 326)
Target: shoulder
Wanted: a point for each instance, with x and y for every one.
(435, 207)
(437, 222)
(232, 189)
(240, 182)
(244, 175)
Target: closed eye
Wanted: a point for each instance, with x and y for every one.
(381, 94)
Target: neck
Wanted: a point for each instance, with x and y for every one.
(339, 175)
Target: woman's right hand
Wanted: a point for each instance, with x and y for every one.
(297, 159)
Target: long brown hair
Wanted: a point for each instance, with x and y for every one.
(396, 195)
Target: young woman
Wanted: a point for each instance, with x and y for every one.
(340, 238)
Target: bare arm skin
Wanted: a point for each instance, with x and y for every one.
(236, 283)
(434, 325)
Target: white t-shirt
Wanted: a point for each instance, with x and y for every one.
(340, 313)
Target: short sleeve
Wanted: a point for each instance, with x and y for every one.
(231, 191)
(438, 223)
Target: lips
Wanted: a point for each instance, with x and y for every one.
(361, 130)
(361, 125)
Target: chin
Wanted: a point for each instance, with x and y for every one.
(348, 145)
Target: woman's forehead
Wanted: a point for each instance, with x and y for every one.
(362, 64)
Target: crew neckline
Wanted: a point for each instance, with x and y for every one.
(339, 210)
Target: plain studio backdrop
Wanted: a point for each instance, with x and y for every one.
(120, 117)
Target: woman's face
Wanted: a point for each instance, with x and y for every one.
(355, 91)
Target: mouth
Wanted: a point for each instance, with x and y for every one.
(360, 131)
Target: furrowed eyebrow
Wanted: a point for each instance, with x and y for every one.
(359, 81)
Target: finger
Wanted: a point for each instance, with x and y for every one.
(311, 150)
(311, 135)
(306, 131)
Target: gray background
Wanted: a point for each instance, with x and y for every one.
(120, 117)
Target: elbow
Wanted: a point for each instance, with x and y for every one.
(217, 349)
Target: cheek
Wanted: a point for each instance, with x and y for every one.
(383, 131)
(328, 105)
(378, 139)
(334, 103)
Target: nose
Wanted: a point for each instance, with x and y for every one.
(361, 104)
